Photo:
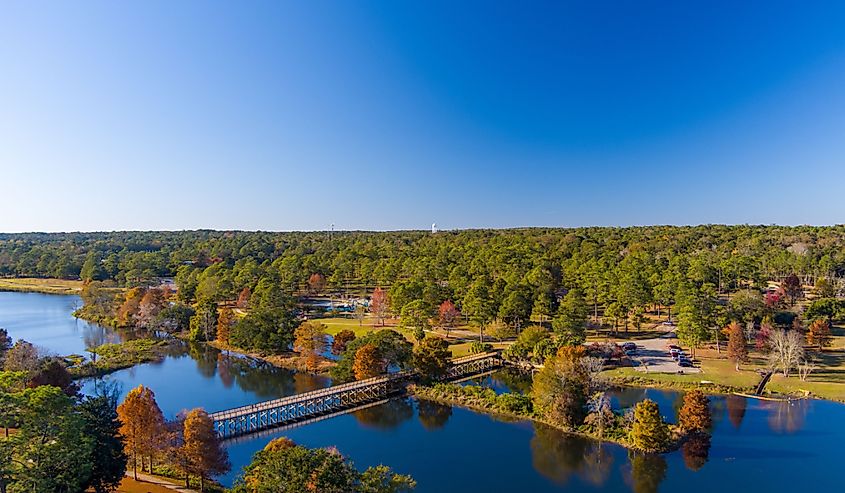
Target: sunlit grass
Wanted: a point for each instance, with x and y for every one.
(36, 285)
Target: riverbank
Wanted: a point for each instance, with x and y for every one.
(39, 285)
(518, 407)
(287, 361)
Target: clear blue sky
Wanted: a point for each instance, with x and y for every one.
(390, 115)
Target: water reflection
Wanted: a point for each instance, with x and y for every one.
(559, 456)
(646, 473)
(433, 415)
(786, 416)
(386, 416)
(696, 451)
(736, 406)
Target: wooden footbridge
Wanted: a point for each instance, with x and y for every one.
(331, 401)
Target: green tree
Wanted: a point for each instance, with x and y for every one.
(204, 322)
(431, 358)
(381, 479)
(649, 432)
(696, 314)
(415, 316)
(561, 389)
(51, 451)
(570, 325)
(108, 460)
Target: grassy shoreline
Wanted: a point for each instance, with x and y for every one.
(39, 285)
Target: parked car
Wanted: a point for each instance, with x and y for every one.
(674, 353)
(629, 346)
(674, 346)
(685, 363)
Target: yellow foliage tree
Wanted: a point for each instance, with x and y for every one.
(310, 340)
(225, 321)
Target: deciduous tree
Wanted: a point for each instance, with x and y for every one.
(694, 416)
(225, 321)
(378, 305)
(448, 315)
(368, 362)
(431, 358)
(819, 334)
(310, 341)
(141, 425)
(205, 455)
(786, 349)
(341, 339)
(737, 351)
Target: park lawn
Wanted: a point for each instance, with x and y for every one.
(129, 485)
(37, 285)
(463, 348)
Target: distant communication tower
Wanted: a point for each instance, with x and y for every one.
(433, 228)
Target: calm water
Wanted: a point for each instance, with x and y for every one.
(756, 446)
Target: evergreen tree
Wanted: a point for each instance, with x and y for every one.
(649, 433)
(108, 459)
(431, 358)
(694, 416)
(570, 325)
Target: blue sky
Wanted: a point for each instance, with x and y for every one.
(393, 115)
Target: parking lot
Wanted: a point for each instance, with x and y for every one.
(653, 355)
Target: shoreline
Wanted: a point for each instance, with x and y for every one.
(428, 393)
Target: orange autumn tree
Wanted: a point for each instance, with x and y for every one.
(819, 334)
(142, 426)
(204, 454)
(225, 321)
(694, 416)
(310, 340)
(368, 362)
(737, 351)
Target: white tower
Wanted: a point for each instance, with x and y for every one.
(433, 228)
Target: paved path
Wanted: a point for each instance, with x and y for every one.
(165, 483)
(653, 355)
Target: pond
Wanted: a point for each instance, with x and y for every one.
(756, 445)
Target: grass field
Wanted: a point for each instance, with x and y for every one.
(33, 285)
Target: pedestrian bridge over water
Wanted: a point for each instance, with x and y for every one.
(332, 401)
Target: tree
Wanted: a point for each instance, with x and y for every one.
(541, 311)
(150, 306)
(225, 321)
(694, 416)
(415, 317)
(53, 371)
(203, 450)
(824, 288)
(316, 283)
(108, 460)
(381, 479)
(649, 433)
(792, 288)
(819, 334)
(127, 313)
(360, 314)
(561, 388)
(310, 341)
(21, 357)
(786, 349)
(141, 425)
(570, 325)
(243, 298)
(368, 362)
(341, 340)
(516, 307)
(448, 316)
(431, 358)
(378, 305)
(696, 314)
(5, 343)
(500, 330)
(204, 321)
(478, 304)
(737, 351)
(526, 343)
(51, 451)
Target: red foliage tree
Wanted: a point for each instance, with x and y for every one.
(448, 314)
(378, 304)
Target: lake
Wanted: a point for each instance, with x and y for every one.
(756, 445)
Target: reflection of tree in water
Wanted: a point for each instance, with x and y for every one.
(558, 456)
(224, 365)
(630, 396)
(597, 464)
(696, 451)
(647, 472)
(433, 415)
(787, 416)
(512, 379)
(736, 409)
(386, 416)
(205, 357)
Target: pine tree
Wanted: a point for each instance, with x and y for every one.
(649, 433)
(203, 451)
(431, 357)
(694, 416)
